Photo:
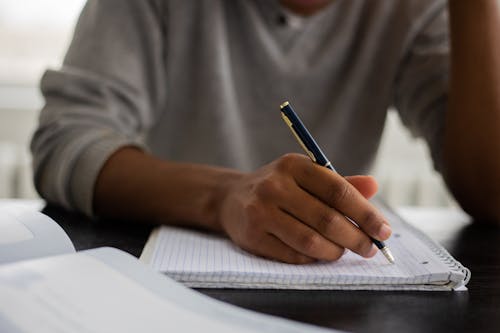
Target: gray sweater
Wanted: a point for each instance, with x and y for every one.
(201, 81)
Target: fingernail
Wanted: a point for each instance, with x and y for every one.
(373, 251)
(384, 232)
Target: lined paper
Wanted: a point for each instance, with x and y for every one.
(206, 260)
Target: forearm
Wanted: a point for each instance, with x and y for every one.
(135, 185)
(471, 162)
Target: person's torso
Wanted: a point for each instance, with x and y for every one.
(230, 64)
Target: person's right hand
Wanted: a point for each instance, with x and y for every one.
(294, 210)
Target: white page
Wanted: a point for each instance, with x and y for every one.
(13, 231)
(77, 293)
(28, 234)
(107, 290)
(203, 260)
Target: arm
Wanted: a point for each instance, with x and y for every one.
(138, 186)
(290, 210)
(93, 106)
(471, 163)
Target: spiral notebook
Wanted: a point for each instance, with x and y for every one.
(203, 260)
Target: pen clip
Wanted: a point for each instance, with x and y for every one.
(289, 123)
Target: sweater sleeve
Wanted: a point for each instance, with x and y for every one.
(421, 87)
(105, 96)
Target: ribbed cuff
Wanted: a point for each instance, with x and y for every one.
(88, 165)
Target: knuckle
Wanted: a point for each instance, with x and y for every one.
(309, 242)
(337, 254)
(362, 246)
(285, 162)
(338, 193)
(328, 222)
(288, 162)
(268, 187)
(372, 223)
(325, 220)
(307, 170)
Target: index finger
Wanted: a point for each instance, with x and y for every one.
(335, 191)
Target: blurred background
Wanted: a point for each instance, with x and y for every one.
(34, 35)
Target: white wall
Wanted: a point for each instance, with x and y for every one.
(33, 36)
(16, 127)
(404, 169)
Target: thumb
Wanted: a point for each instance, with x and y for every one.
(366, 185)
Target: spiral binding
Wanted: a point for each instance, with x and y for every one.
(437, 249)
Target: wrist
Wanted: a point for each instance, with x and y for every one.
(215, 205)
(187, 194)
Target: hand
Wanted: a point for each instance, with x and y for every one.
(294, 210)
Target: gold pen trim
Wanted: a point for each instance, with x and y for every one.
(290, 125)
(284, 104)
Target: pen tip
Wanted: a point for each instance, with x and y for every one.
(387, 253)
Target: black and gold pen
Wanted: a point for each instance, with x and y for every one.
(312, 149)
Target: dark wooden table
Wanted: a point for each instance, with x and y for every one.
(476, 245)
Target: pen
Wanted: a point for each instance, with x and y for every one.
(312, 149)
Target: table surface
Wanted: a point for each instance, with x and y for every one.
(476, 245)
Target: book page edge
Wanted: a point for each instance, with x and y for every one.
(148, 250)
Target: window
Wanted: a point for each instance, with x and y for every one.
(34, 35)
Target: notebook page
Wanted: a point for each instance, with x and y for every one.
(201, 259)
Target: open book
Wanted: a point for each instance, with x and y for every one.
(45, 286)
(205, 260)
